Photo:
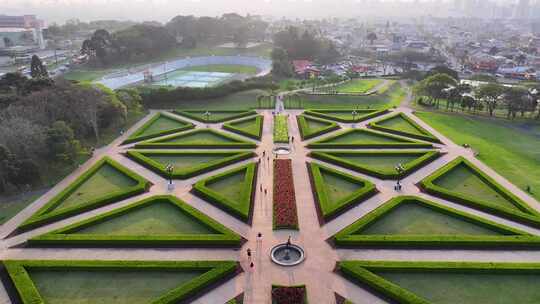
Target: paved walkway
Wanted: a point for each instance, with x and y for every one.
(317, 271)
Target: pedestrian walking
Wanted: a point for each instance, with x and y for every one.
(260, 186)
(259, 238)
(265, 191)
(251, 265)
(264, 153)
(292, 139)
(249, 254)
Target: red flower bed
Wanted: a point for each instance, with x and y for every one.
(288, 295)
(285, 214)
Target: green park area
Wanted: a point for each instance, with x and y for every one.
(510, 148)
(358, 86)
(281, 129)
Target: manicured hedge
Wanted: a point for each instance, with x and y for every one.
(410, 167)
(528, 215)
(427, 135)
(217, 272)
(401, 144)
(162, 143)
(363, 272)
(222, 237)
(42, 216)
(255, 133)
(362, 114)
(305, 131)
(281, 129)
(228, 159)
(136, 136)
(199, 115)
(328, 209)
(241, 210)
(510, 237)
(289, 294)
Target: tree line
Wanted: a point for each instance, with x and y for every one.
(489, 98)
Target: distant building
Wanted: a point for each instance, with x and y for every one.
(305, 69)
(21, 31)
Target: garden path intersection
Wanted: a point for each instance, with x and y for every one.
(317, 271)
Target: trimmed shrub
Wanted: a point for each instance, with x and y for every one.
(199, 115)
(510, 237)
(400, 143)
(281, 129)
(162, 143)
(307, 133)
(254, 132)
(329, 209)
(136, 136)
(527, 215)
(285, 212)
(242, 209)
(143, 158)
(69, 236)
(426, 134)
(217, 271)
(43, 216)
(362, 114)
(409, 168)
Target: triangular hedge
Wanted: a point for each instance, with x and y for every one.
(242, 205)
(382, 164)
(209, 161)
(407, 221)
(345, 115)
(160, 124)
(80, 233)
(251, 127)
(198, 139)
(330, 205)
(514, 208)
(202, 273)
(215, 116)
(51, 212)
(446, 282)
(312, 127)
(364, 138)
(401, 124)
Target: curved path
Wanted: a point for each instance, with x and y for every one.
(317, 271)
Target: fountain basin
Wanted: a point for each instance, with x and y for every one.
(282, 151)
(284, 255)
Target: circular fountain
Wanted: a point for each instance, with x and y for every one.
(287, 254)
(282, 151)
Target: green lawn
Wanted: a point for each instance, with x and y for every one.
(359, 137)
(511, 149)
(400, 124)
(380, 162)
(183, 162)
(468, 288)
(105, 181)
(200, 138)
(11, 205)
(161, 218)
(281, 129)
(163, 123)
(415, 219)
(224, 68)
(231, 186)
(337, 187)
(391, 98)
(358, 85)
(74, 286)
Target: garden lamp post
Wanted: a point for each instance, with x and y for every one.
(207, 115)
(399, 169)
(170, 169)
(354, 114)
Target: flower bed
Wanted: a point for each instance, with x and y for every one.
(289, 295)
(285, 215)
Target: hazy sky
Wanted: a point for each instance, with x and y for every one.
(162, 10)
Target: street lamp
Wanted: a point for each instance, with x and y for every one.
(400, 170)
(354, 114)
(170, 170)
(207, 115)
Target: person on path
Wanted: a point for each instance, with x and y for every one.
(251, 265)
(264, 153)
(259, 238)
(249, 254)
(260, 187)
(265, 191)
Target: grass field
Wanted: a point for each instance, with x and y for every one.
(74, 286)
(511, 149)
(414, 219)
(11, 205)
(360, 137)
(224, 68)
(200, 138)
(398, 123)
(337, 188)
(185, 161)
(105, 181)
(461, 179)
(232, 186)
(358, 85)
(468, 288)
(381, 162)
(391, 98)
(281, 129)
(162, 124)
(156, 219)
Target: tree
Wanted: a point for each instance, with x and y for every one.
(61, 143)
(240, 37)
(371, 37)
(5, 156)
(514, 99)
(455, 95)
(442, 69)
(490, 95)
(281, 65)
(37, 69)
(434, 87)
